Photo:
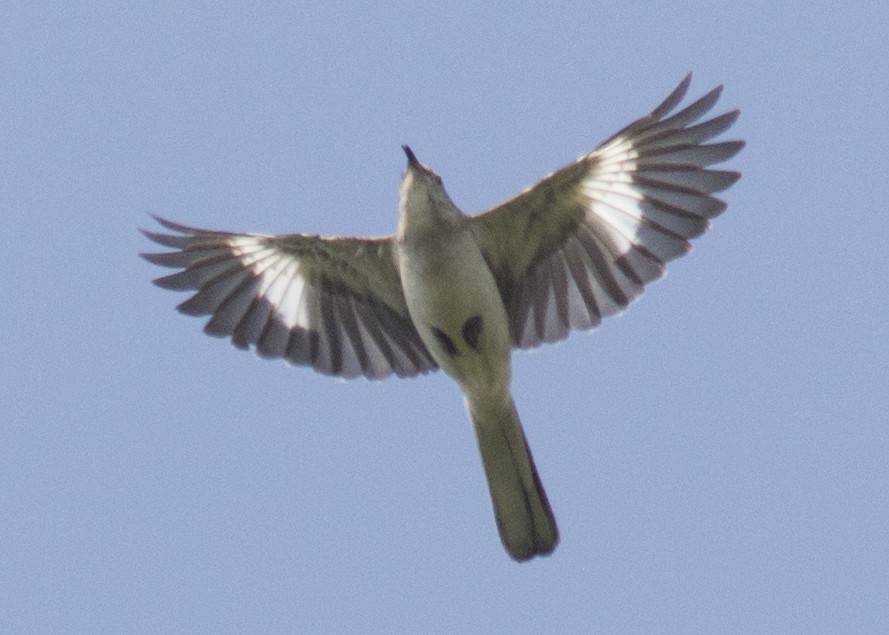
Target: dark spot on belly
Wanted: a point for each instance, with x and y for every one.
(446, 343)
(472, 332)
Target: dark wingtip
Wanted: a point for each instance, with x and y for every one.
(673, 99)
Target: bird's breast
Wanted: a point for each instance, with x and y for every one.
(456, 307)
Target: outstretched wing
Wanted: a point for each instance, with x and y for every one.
(581, 244)
(335, 304)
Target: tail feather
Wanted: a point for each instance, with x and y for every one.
(524, 518)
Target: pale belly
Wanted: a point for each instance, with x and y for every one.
(456, 307)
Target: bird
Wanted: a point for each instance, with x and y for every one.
(457, 292)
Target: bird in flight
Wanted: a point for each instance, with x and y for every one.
(459, 292)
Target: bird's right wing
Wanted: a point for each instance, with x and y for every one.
(581, 244)
(332, 303)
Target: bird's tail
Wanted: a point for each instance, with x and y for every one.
(525, 521)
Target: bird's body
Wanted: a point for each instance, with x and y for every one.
(454, 303)
(456, 307)
(450, 292)
(459, 292)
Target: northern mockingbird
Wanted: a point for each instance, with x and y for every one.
(459, 292)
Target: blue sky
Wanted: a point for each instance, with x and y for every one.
(717, 457)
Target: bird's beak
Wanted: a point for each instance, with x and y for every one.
(412, 162)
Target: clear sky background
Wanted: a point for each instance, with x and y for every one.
(717, 457)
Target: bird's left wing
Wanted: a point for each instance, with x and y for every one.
(581, 244)
(332, 303)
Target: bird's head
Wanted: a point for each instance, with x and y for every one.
(423, 199)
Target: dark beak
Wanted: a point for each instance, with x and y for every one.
(411, 158)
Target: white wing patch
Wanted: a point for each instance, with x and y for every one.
(279, 280)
